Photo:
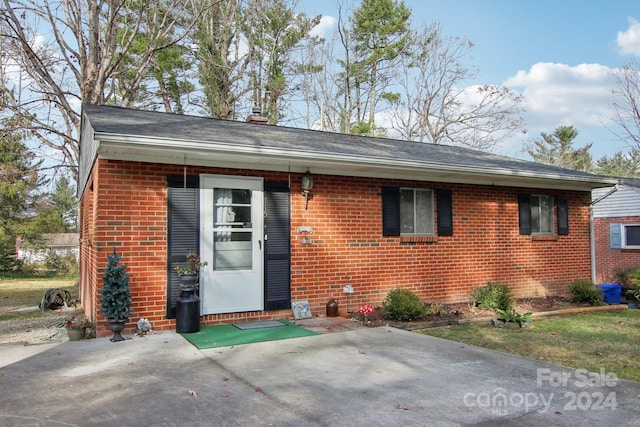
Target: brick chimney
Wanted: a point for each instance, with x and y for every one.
(257, 117)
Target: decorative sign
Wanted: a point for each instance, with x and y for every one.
(301, 310)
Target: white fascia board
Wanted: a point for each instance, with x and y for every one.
(220, 154)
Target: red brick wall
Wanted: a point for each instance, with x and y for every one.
(346, 218)
(345, 215)
(607, 259)
(88, 285)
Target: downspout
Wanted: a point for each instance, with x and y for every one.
(592, 237)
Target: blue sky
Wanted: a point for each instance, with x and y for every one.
(558, 53)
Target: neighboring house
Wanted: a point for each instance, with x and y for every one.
(616, 222)
(61, 244)
(381, 214)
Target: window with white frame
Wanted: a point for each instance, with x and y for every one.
(541, 214)
(631, 236)
(416, 211)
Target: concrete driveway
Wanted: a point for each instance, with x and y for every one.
(369, 376)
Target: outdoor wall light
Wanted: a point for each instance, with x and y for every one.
(306, 185)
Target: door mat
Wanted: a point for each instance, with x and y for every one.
(259, 325)
(228, 335)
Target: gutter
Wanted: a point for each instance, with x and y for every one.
(592, 236)
(302, 159)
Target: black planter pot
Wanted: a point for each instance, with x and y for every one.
(189, 281)
(116, 326)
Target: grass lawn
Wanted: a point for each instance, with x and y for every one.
(20, 296)
(593, 341)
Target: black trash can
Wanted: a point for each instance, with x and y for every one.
(188, 311)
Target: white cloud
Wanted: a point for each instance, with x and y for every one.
(326, 22)
(559, 94)
(629, 41)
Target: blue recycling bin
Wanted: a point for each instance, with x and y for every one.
(611, 292)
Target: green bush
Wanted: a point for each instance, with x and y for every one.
(632, 289)
(403, 305)
(624, 277)
(62, 265)
(493, 296)
(514, 316)
(585, 291)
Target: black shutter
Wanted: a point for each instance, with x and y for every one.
(390, 211)
(524, 213)
(444, 199)
(182, 231)
(563, 215)
(277, 269)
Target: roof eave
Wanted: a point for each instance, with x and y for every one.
(221, 154)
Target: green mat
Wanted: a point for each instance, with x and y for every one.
(227, 335)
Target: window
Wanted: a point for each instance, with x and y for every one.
(626, 236)
(416, 211)
(410, 211)
(541, 214)
(631, 236)
(536, 214)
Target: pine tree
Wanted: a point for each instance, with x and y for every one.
(19, 181)
(557, 149)
(116, 297)
(64, 201)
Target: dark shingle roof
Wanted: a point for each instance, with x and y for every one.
(311, 144)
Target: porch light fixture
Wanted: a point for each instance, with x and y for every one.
(306, 185)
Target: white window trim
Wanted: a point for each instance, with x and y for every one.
(624, 236)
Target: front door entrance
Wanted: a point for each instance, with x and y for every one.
(231, 233)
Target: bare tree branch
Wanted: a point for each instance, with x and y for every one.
(627, 111)
(73, 51)
(437, 107)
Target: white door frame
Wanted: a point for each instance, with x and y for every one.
(232, 290)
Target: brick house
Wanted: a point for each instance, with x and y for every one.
(382, 214)
(616, 224)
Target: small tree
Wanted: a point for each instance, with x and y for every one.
(557, 149)
(116, 298)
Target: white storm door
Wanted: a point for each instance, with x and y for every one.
(231, 221)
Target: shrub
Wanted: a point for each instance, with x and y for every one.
(60, 264)
(493, 296)
(436, 309)
(634, 278)
(53, 261)
(585, 291)
(514, 316)
(403, 305)
(633, 288)
(625, 276)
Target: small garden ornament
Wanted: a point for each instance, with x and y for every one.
(366, 310)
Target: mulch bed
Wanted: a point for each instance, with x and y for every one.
(458, 313)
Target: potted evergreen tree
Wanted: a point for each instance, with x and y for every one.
(116, 297)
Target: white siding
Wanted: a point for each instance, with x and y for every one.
(622, 203)
(88, 149)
